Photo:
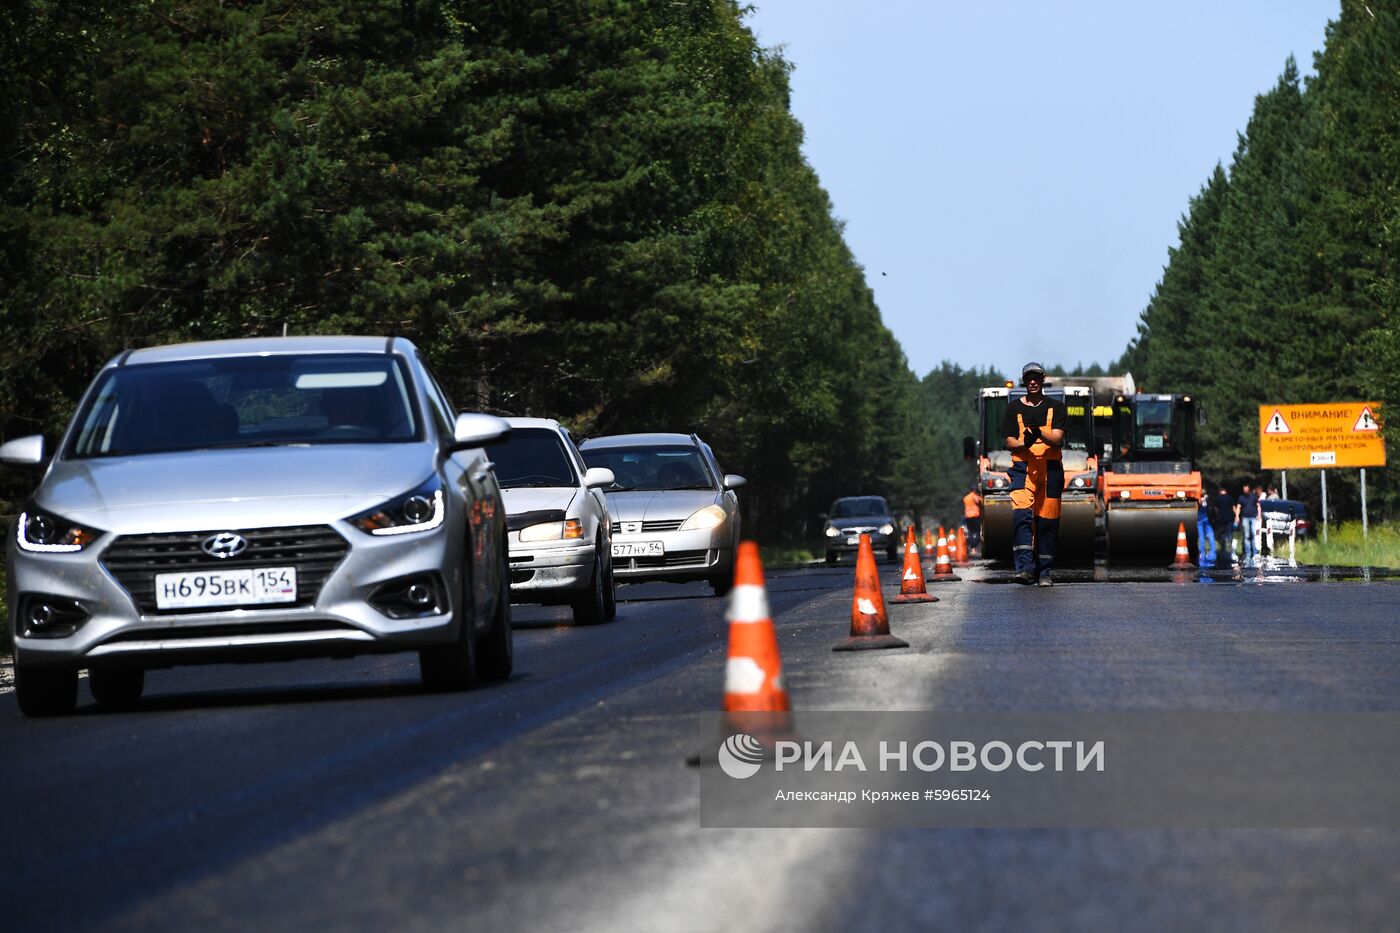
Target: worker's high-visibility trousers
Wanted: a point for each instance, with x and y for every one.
(1036, 487)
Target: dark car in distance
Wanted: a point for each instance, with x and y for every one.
(852, 516)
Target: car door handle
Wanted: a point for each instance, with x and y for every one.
(483, 471)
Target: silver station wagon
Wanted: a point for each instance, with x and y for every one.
(674, 511)
(258, 499)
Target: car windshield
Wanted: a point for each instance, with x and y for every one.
(862, 507)
(532, 457)
(652, 468)
(247, 401)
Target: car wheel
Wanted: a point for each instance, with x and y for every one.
(117, 688)
(892, 553)
(453, 666)
(591, 605)
(610, 589)
(832, 557)
(495, 652)
(723, 582)
(46, 691)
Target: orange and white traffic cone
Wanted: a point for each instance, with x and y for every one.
(961, 550)
(1183, 554)
(943, 565)
(757, 713)
(870, 626)
(753, 673)
(911, 583)
(928, 542)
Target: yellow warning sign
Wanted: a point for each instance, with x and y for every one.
(1339, 434)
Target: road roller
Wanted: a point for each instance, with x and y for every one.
(1079, 502)
(1152, 484)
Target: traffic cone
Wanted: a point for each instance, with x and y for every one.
(1183, 554)
(870, 626)
(943, 566)
(911, 583)
(753, 674)
(928, 542)
(755, 700)
(961, 556)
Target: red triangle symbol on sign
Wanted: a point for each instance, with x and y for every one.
(1277, 425)
(1366, 422)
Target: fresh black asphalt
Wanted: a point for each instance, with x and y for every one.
(338, 795)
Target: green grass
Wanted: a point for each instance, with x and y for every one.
(783, 555)
(1346, 548)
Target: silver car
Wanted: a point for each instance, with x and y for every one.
(560, 540)
(675, 515)
(258, 499)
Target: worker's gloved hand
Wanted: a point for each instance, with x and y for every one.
(1030, 437)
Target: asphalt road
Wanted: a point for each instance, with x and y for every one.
(337, 795)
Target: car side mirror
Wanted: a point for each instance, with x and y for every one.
(598, 476)
(969, 448)
(733, 481)
(474, 429)
(23, 451)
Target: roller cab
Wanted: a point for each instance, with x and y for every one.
(1152, 484)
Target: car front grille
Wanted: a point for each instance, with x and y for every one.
(134, 560)
(670, 524)
(673, 559)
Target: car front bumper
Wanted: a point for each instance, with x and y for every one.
(340, 620)
(849, 544)
(539, 573)
(689, 555)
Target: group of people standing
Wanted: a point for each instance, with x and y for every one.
(1221, 515)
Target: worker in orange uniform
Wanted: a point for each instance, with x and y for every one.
(1034, 432)
(972, 517)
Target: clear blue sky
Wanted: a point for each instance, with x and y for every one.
(1017, 169)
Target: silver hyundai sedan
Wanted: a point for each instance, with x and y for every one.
(674, 511)
(258, 499)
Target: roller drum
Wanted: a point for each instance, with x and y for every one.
(1076, 529)
(996, 528)
(1076, 539)
(1148, 532)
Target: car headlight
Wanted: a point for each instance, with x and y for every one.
(886, 529)
(420, 509)
(711, 516)
(553, 531)
(42, 532)
(832, 532)
(1082, 481)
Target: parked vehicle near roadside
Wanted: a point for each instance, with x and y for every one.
(258, 499)
(675, 515)
(1281, 514)
(557, 518)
